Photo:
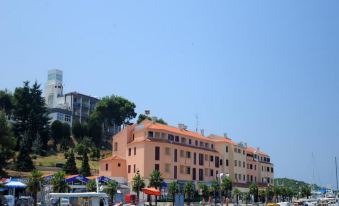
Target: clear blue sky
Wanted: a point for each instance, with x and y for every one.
(265, 72)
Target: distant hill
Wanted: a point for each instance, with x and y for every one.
(293, 184)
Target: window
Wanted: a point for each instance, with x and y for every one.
(272, 169)
(243, 164)
(115, 146)
(236, 176)
(163, 135)
(129, 168)
(235, 163)
(206, 172)
(216, 162)
(212, 146)
(239, 177)
(235, 150)
(194, 175)
(170, 137)
(201, 175)
(196, 142)
(206, 145)
(177, 138)
(268, 169)
(150, 134)
(188, 170)
(226, 149)
(211, 173)
(106, 167)
(206, 157)
(156, 167)
(175, 155)
(220, 162)
(201, 159)
(129, 151)
(157, 153)
(201, 144)
(67, 118)
(168, 151)
(134, 168)
(183, 140)
(190, 141)
(244, 178)
(157, 135)
(175, 175)
(227, 163)
(239, 163)
(195, 158)
(211, 158)
(255, 167)
(119, 165)
(188, 154)
(135, 151)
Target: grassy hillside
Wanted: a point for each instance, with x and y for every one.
(291, 183)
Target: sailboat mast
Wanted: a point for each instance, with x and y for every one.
(336, 171)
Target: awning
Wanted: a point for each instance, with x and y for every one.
(151, 191)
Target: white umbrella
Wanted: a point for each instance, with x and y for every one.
(15, 184)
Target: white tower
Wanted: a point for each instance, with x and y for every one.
(53, 88)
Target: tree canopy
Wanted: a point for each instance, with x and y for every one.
(7, 143)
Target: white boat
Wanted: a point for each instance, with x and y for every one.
(78, 199)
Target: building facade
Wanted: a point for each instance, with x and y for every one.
(182, 155)
(68, 107)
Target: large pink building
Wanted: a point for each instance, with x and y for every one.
(183, 155)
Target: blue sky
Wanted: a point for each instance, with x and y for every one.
(265, 72)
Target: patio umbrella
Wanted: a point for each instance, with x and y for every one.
(151, 191)
(15, 184)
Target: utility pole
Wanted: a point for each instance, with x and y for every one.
(336, 171)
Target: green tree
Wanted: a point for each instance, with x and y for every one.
(24, 162)
(85, 168)
(66, 137)
(79, 130)
(236, 194)
(262, 195)
(215, 187)
(30, 115)
(156, 181)
(204, 191)
(95, 130)
(111, 189)
(254, 191)
(246, 197)
(142, 117)
(70, 165)
(57, 132)
(226, 186)
(306, 191)
(269, 193)
(189, 191)
(173, 189)
(7, 144)
(91, 186)
(59, 183)
(37, 146)
(114, 110)
(34, 184)
(6, 102)
(137, 184)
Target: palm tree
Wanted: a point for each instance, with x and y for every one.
(226, 186)
(189, 190)
(173, 189)
(34, 184)
(204, 190)
(236, 194)
(254, 191)
(111, 189)
(137, 184)
(91, 186)
(156, 181)
(214, 188)
(59, 183)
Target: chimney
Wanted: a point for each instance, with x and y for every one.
(258, 148)
(225, 135)
(202, 132)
